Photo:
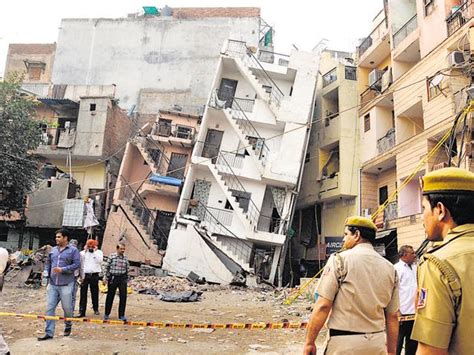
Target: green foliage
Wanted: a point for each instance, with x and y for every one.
(19, 135)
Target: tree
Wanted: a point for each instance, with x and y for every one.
(19, 135)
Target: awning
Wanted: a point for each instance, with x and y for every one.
(385, 233)
(59, 103)
(166, 180)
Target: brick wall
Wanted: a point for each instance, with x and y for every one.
(200, 12)
(32, 48)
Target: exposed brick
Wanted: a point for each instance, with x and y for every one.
(32, 48)
(200, 12)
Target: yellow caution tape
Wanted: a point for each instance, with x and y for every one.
(249, 326)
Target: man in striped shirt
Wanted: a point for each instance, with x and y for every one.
(116, 275)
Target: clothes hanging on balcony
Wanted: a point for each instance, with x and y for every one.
(67, 137)
(90, 219)
(278, 195)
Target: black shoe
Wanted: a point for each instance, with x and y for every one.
(67, 332)
(45, 337)
(97, 313)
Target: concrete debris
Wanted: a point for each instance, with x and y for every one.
(203, 330)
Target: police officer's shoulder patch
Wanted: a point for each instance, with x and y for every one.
(422, 296)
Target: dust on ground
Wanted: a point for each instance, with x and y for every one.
(217, 305)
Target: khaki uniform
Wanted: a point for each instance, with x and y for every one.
(361, 290)
(439, 321)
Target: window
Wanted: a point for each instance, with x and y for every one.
(34, 73)
(434, 90)
(429, 6)
(329, 77)
(92, 107)
(367, 122)
(350, 73)
(383, 194)
(267, 88)
(3, 234)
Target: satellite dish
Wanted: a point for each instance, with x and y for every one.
(436, 80)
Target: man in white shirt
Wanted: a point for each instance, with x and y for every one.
(406, 270)
(91, 263)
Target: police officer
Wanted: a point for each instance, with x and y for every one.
(445, 307)
(361, 289)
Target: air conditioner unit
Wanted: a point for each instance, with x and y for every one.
(456, 58)
(386, 79)
(439, 166)
(374, 78)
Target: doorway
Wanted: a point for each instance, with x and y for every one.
(212, 144)
(227, 90)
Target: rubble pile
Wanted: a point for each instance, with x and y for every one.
(166, 284)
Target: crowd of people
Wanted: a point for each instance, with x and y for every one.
(374, 307)
(66, 268)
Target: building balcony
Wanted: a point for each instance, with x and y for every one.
(459, 17)
(404, 31)
(329, 77)
(161, 189)
(387, 142)
(329, 186)
(56, 141)
(174, 134)
(376, 47)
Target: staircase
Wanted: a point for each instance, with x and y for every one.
(244, 128)
(143, 218)
(245, 60)
(237, 249)
(153, 153)
(228, 181)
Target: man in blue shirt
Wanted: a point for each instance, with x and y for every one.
(62, 261)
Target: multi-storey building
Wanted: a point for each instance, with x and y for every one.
(149, 185)
(84, 135)
(34, 62)
(330, 179)
(413, 71)
(241, 188)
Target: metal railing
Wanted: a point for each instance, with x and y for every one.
(271, 225)
(235, 160)
(458, 18)
(239, 49)
(273, 57)
(245, 105)
(146, 217)
(369, 94)
(233, 183)
(173, 130)
(373, 36)
(217, 225)
(385, 143)
(329, 77)
(404, 31)
(260, 148)
(156, 155)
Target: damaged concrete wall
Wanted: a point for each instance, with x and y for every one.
(158, 53)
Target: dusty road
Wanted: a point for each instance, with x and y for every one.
(224, 306)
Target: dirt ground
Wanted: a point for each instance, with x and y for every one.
(224, 306)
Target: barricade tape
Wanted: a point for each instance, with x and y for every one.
(161, 325)
(260, 325)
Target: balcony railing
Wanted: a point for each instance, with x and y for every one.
(458, 18)
(404, 31)
(376, 34)
(246, 54)
(174, 130)
(329, 77)
(385, 143)
(60, 137)
(273, 58)
(329, 183)
(39, 89)
(271, 225)
(234, 160)
(245, 105)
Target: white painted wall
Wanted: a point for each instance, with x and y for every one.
(161, 53)
(188, 252)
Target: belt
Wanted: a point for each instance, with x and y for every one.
(337, 332)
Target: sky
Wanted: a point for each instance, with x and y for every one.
(302, 23)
